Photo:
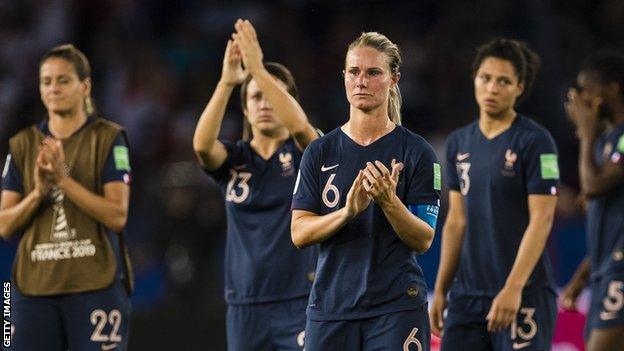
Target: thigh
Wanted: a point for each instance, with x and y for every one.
(606, 339)
(37, 323)
(332, 335)
(288, 321)
(405, 330)
(534, 326)
(248, 328)
(606, 315)
(465, 327)
(98, 320)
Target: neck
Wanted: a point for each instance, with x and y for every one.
(492, 125)
(63, 125)
(265, 144)
(367, 127)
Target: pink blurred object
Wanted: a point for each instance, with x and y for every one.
(435, 343)
(569, 331)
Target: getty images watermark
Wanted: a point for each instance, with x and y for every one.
(6, 314)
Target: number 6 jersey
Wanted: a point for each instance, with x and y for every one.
(261, 263)
(365, 269)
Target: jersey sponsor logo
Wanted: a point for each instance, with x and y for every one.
(461, 157)
(437, 177)
(549, 166)
(122, 160)
(5, 171)
(325, 168)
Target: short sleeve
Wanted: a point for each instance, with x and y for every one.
(425, 182)
(223, 172)
(617, 153)
(117, 167)
(11, 177)
(541, 170)
(451, 178)
(306, 195)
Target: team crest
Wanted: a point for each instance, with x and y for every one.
(510, 159)
(286, 160)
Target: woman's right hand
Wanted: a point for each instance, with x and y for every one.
(357, 198)
(436, 313)
(232, 73)
(43, 184)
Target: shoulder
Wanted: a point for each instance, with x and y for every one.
(326, 141)
(462, 133)
(413, 140)
(104, 125)
(531, 129)
(24, 137)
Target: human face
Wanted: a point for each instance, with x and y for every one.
(589, 87)
(496, 86)
(367, 78)
(62, 91)
(259, 111)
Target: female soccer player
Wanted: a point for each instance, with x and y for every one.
(368, 193)
(267, 281)
(599, 99)
(501, 207)
(66, 185)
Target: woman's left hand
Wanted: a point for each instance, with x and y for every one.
(584, 114)
(379, 183)
(52, 160)
(247, 42)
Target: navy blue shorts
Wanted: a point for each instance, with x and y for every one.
(267, 326)
(465, 326)
(405, 330)
(96, 320)
(607, 300)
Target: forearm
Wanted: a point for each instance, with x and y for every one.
(104, 211)
(209, 123)
(452, 240)
(588, 171)
(581, 275)
(313, 229)
(287, 109)
(16, 217)
(530, 250)
(414, 232)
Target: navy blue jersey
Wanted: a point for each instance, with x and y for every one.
(605, 213)
(495, 177)
(365, 269)
(261, 263)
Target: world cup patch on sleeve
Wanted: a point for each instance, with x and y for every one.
(122, 160)
(620, 145)
(549, 166)
(437, 177)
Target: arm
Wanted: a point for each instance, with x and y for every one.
(452, 240)
(506, 304)
(210, 152)
(111, 209)
(574, 288)
(308, 228)
(286, 107)
(594, 180)
(16, 211)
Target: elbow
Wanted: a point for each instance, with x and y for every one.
(424, 241)
(4, 233)
(297, 237)
(118, 223)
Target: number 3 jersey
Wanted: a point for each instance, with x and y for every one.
(365, 269)
(495, 177)
(261, 263)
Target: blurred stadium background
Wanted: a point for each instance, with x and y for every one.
(156, 62)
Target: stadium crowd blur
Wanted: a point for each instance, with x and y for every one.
(156, 62)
